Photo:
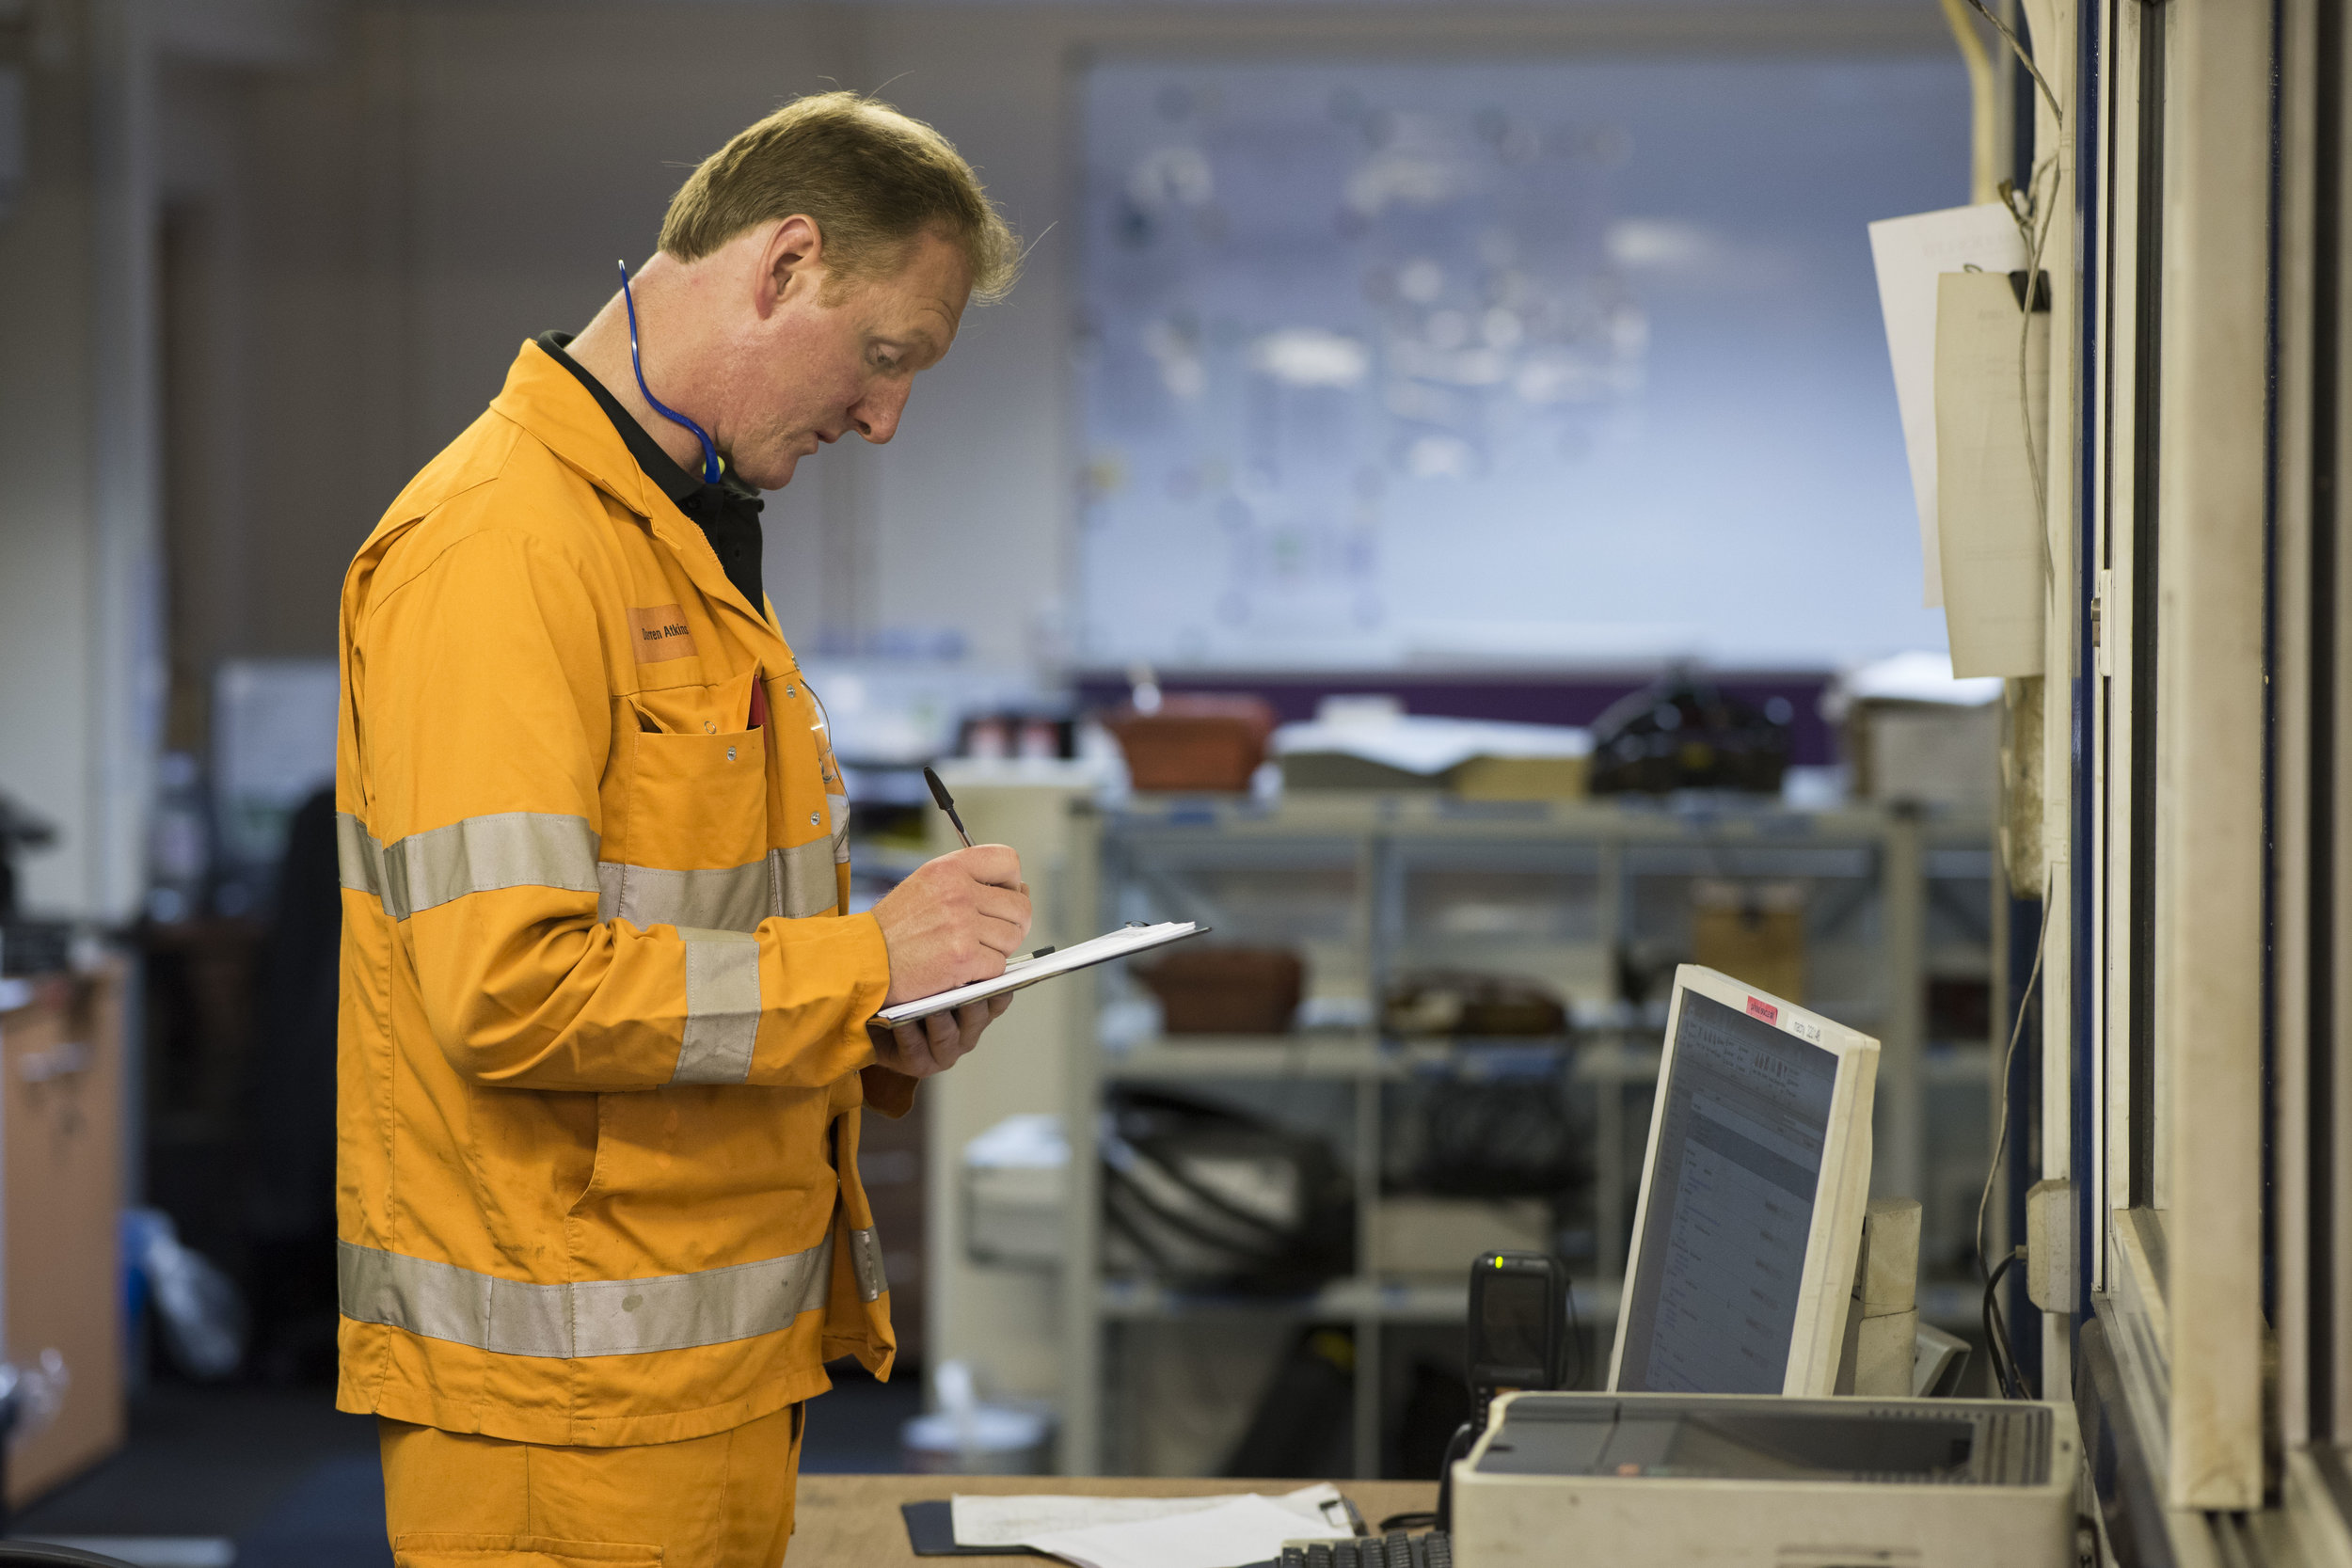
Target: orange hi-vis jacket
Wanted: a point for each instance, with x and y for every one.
(602, 1039)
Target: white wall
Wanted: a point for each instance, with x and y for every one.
(47, 464)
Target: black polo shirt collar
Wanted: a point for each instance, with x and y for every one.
(727, 512)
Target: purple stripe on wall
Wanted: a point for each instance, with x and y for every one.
(1527, 699)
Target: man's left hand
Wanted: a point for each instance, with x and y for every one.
(936, 1044)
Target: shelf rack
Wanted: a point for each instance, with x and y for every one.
(1885, 866)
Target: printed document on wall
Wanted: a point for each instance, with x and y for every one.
(1910, 254)
(1991, 408)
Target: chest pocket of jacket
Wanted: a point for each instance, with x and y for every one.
(698, 786)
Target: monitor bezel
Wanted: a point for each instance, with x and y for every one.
(1834, 1241)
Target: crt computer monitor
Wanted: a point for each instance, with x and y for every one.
(1750, 1216)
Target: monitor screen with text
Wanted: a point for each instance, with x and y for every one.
(1719, 1264)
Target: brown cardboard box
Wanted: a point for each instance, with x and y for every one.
(1751, 932)
(1195, 741)
(1522, 778)
(1227, 991)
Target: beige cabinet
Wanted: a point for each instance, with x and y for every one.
(62, 1108)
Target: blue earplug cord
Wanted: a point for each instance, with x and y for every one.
(712, 467)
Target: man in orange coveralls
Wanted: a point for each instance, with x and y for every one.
(604, 1030)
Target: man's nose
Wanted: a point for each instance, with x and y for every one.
(876, 415)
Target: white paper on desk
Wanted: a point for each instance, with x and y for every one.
(1910, 253)
(998, 1521)
(1246, 1529)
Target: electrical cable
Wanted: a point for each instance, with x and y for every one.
(1994, 1351)
(2032, 218)
(2008, 1057)
(2032, 213)
(2023, 58)
(1999, 1352)
(1992, 1341)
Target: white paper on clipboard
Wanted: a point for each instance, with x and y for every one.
(1120, 943)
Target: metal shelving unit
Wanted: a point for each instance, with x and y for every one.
(1365, 884)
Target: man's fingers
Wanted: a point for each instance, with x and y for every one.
(941, 1027)
(971, 1018)
(936, 1044)
(992, 864)
(995, 903)
(913, 1048)
(1000, 936)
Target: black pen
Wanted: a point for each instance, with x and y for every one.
(948, 804)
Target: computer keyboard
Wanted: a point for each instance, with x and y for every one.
(1396, 1550)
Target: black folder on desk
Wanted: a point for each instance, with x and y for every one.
(932, 1532)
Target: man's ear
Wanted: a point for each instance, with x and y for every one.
(791, 263)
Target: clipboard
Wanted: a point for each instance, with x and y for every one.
(1124, 942)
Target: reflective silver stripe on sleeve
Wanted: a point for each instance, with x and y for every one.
(733, 898)
(525, 848)
(865, 1262)
(478, 854)
(358, 857)
(805, 878)
(599, 1317)
(837, 813)
(721, 1007)
(796, 883)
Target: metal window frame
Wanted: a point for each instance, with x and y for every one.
(2171, 826)
(2312, 1091)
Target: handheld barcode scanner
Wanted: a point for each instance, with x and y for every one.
(1518, 1339)
(1519, 1326)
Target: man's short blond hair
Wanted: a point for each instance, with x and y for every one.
(872, 178)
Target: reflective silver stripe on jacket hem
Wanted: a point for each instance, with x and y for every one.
(598, 1317)
(478, 854)
(721, 1007)
(796, 883)
(865, 1262)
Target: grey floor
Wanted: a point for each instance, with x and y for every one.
(295, 1484)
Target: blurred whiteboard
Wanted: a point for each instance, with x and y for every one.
(1530, 362)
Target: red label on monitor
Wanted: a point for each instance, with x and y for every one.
(1763, 1009)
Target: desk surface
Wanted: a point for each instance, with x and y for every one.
(856, 1519)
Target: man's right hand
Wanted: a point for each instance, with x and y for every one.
(955, 920)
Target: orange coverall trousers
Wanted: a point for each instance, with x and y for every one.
(456, 1500)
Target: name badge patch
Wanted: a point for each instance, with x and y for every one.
(661, 633)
